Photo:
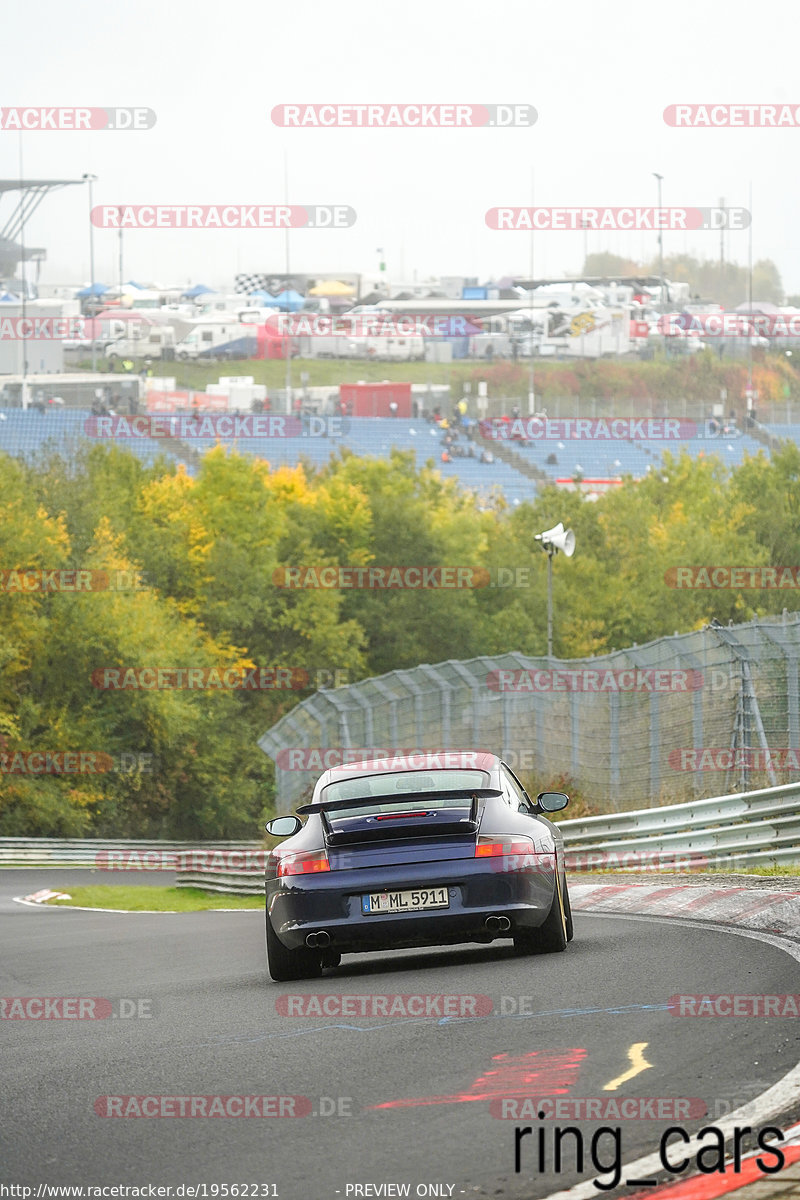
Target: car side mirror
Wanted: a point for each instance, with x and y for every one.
(552, 801)
(283, 826)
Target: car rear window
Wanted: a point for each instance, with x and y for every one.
(402, 785)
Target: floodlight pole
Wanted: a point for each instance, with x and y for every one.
(288, 379)
(661, 261)
(90, 179)
(551, 550)
(551, 541)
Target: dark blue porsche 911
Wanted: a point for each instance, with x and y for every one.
(428, 849)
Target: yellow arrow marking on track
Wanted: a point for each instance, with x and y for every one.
(638, 1064)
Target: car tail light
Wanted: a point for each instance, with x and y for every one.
(303, 862)
(502, 844)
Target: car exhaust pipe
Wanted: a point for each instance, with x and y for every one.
(497, 924)
(319, 939)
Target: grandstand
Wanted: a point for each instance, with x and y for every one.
(29, 433)
(789, 433)
(375, 437)
(612, 459)
(26, 434)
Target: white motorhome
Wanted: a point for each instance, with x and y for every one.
(225, 337)
(390, 349)
(145, 341)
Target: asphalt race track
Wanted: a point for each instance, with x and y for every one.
(571, 1020)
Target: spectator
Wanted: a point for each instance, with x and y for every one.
(446, 456)
(393, 408)
(487, 456)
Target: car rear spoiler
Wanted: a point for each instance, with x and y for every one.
(329, 806)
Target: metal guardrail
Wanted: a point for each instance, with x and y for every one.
(106, 853)
(743, 828)
(241, 883)
(757, 828)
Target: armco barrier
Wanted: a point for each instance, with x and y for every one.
(744, 828)
(755, 828)
(89, 852)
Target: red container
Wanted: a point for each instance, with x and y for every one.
(373, 399)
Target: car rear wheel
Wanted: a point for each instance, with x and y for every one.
(552, 936)
(285, 965)
(568, 914)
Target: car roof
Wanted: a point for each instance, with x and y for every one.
(421, 760)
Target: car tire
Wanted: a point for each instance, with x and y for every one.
(568, 913)
(285, 965)
(550, 937)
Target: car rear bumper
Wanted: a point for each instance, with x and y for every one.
(331, 901)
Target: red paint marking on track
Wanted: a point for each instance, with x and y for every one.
(604, 891)
(707, 1187)
(541, 1072)
(759, 906)
(709, 898)
(660, 893)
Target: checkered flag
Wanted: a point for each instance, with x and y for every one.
(246, 283)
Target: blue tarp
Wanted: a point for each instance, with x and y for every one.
(286, 301)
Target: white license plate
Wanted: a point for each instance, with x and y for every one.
(416, 900)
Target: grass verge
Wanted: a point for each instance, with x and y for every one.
(154, 899)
